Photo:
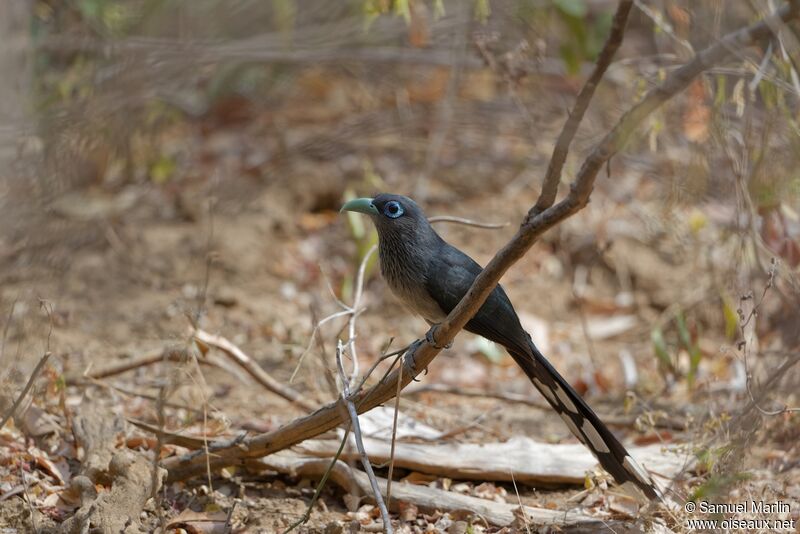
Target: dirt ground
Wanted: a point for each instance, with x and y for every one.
(245, 237)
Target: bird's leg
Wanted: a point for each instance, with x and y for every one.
(430, 337)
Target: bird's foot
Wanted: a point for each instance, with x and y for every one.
(431, 339)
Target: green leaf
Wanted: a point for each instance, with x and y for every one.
(718, 485)
(660, 347)
(731, 319)
(438, 9)
(683, 332)
(488, 349)
(402, 8)
(162, 169)
(482, 10)
(573, 8)
(722, 91)
(690, 346)
(570, 58)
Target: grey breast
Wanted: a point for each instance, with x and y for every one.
(405, 275)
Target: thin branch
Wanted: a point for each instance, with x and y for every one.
(663, 25)
(416, 360)
(744, 345)
(553, 176)
(154, 475)
(27, 497)
(466, 222)
(394, 436)
(351, 324)
(351, 311)
(351, 409)
(322, 481)
(25, 390)
(252, 368)
(314, 331)
(519, 501)
(172, 354)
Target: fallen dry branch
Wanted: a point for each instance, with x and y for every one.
(170, 354)
(128, 474)
(252, 368)
(426, 498)
(531, 461)
(534, 225)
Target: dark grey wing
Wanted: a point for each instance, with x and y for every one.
(450, 275)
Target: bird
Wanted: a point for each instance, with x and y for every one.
(430, 276)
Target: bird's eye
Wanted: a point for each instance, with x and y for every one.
(393, 209)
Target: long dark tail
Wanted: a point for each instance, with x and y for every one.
(583, 422)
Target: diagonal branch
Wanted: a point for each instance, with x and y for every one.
(553, 176)
(421, 354)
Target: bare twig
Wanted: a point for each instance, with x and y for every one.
(203, 386)
(519, 501)
(322, 481)
(172, 354)
(330, 416)
(24, 392)
(770, 383)
(162, 398)
(27, 497)
(351, 311)
(663, 25)
(351, 324)
(252, 368)
(466, 222)
(314, 331)
(553, 176)
(394, 435)
(351, 409)
(384, 357)
(744, 345)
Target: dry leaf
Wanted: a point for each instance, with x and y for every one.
(408, 511)
(420, 479)
(200, 522)
(624, 505)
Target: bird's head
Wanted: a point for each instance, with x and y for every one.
(393, 215)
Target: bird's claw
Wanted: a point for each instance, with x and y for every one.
(429, 337)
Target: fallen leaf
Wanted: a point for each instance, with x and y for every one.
(200, 522)
(624, 505)
(408, 511)
(420, 479)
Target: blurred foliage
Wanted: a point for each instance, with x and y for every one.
(682, 337)
(576, 28)
(587, 36)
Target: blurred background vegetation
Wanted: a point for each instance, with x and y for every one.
(165, 156)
